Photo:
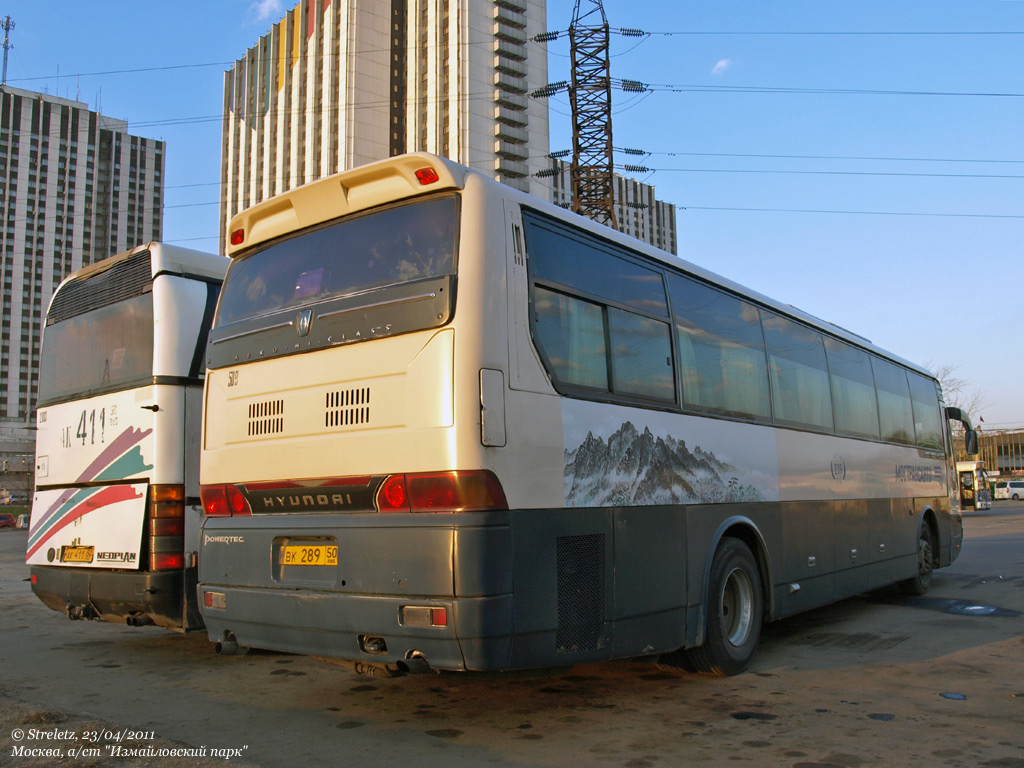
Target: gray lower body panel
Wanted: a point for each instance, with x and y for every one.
(520, 590)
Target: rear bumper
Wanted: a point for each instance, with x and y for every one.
(521, 590)
(166, 599)
(478, 635)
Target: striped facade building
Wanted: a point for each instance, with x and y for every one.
(75, 187)
(1003, 452)
(339, 83)
(637, 211)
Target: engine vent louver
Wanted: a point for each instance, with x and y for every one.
(581, 593)
(266, 418)
(347, 407)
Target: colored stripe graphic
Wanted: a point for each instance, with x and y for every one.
(81, 504)
(118, 461)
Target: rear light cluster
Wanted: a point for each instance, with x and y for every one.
(218, 600)
(423, 616)
(224, 501)
(423, 492)
(441, 492)
(165, 527)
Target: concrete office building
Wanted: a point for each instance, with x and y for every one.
(75, 187)
(339, 83)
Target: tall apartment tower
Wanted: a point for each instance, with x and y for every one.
(339, 83)
(637, 211)
(75, 187)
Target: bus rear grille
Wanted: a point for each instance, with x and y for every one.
(266, 418)
(581, 590)
(347, 407)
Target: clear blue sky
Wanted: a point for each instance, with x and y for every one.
(862, 161)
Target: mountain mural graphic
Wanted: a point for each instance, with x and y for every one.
(637, 468)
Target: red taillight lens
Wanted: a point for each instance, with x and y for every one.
(215, 500)
(427, 176)
(393, 496)
(434, 493)
(166, 561)
(236, 502)
(238, 237)
(223, 501)
(441, 492)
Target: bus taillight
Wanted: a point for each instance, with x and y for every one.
(166, 561)
(441, 492)
(427, 176)
(223, 501)
(166, 527)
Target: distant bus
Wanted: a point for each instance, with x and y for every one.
(975, 494)
(116, 516)
(450, 426)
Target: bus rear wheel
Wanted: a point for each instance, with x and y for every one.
(922, 580)
(735, 609)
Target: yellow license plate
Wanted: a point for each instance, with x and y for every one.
(77, 554)
(310, 554)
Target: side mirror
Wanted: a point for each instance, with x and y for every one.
(971, 442)
(954, 414)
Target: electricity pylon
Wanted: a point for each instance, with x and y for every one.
(590, 94)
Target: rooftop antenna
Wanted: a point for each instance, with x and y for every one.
(7, 25)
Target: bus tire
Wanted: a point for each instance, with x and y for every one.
(921, 581)
(735, 610)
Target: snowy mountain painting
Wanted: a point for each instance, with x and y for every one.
(636, 466)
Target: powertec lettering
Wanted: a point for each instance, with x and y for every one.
(207, 539)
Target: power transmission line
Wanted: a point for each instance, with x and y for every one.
(819, 157)
(850, 213)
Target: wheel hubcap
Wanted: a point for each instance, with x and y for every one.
(737, 608)
(924, 557)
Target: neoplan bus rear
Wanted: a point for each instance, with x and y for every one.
(115, 519)
(450, 426)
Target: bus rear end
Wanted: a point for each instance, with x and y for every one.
(115, 517)
(346, 515)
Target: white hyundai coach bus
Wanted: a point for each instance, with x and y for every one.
(450, 426)
(115, 520)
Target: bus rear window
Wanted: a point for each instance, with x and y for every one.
(103, 350)
(387, 247)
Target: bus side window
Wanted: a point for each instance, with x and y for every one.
(801, 395)
(894, 409)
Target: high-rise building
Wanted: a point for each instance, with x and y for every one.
(339, 83)
(75, 187)
(637, 211)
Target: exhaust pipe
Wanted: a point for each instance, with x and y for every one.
(414, 664)
(229, 646)
(81, 612)
(138, 620)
